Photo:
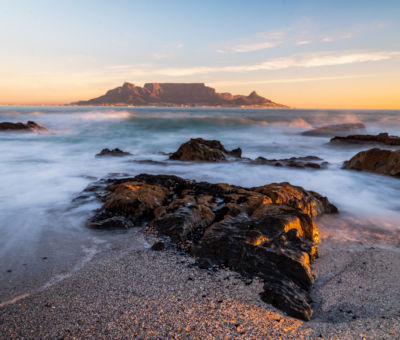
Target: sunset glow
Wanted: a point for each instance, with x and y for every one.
(314, 55)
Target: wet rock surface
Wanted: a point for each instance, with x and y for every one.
(23, 127)
(199, 149)
(113, 152)
(294, 162)
(384, 162)
(382, 138)
(264, 231)
(335, 130)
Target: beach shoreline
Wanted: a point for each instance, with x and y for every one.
(129, 290)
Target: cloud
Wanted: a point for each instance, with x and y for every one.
(303, 60)
(303, 42)
(167, 51)
(261, 41)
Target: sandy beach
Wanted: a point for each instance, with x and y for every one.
(131, 291)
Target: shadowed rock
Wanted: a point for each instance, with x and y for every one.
(384, 162)
(114, 152)
(294, 162)
(265, 231)
(29, 126)
(199, 149)
(334, 130)
(382, 138)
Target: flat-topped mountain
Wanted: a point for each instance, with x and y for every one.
(176, 94)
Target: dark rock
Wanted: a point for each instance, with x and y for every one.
(264, 231)
(158, 246)
(114, 152)
(294, 162)
(382, 138)
(334, 130)
(28, 127)
(384, 162)
(199, 149)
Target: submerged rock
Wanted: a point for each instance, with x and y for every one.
(199, 149)
(382, 138)
(334, 130)
(29, 126)
(113, 152)
(384, 162)
(265, 231)
(294, 162)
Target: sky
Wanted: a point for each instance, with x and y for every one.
(302, 53)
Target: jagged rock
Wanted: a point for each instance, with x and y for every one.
(113, 152)
(29, 126)
(382, 138)
(266, 231)
(335, 130)
(384, 162)
(199, 149)
(294, 162)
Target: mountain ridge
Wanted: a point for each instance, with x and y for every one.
(176, 94)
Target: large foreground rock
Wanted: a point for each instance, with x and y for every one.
(265, 231)
(335, 130)
(385, 162)
(29, 126)
(382, 138)
(199, 149)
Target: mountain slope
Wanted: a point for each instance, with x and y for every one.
(176, 94)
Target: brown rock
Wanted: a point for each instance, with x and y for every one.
(113, 152)
(382, 138)
(334, 130)
(265, 231)
(199, 149)
(294, 162)
(376, 160)
(29, 126)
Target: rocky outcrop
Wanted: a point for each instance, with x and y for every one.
(199, 149)
(265, 231)
(113, 152)
(294, 162)
(384, 162)
(28, 127)
(334, 130)
(382, 138)
(176, 94)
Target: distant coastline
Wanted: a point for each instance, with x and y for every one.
(177, 95)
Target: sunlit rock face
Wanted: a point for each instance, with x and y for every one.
(335, 130)
(384, 162)
(382, 138)
(22, 127)
(199, 149)
(265, 231)
(177, 94)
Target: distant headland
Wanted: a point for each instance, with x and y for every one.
(177, 94)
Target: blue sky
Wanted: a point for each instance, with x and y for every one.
(301, 53)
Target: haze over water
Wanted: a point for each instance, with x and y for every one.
(40, 174)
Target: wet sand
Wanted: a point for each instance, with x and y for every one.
(127, 290)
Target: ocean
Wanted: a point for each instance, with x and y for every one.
(43, 237)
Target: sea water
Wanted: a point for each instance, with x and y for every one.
(43, 234)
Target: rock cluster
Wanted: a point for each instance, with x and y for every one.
(199, 149)
(265, 231)
(382, 138)
(334, 130)
(113, 152)
(294, 162)
(384, 162)
(29, 126)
